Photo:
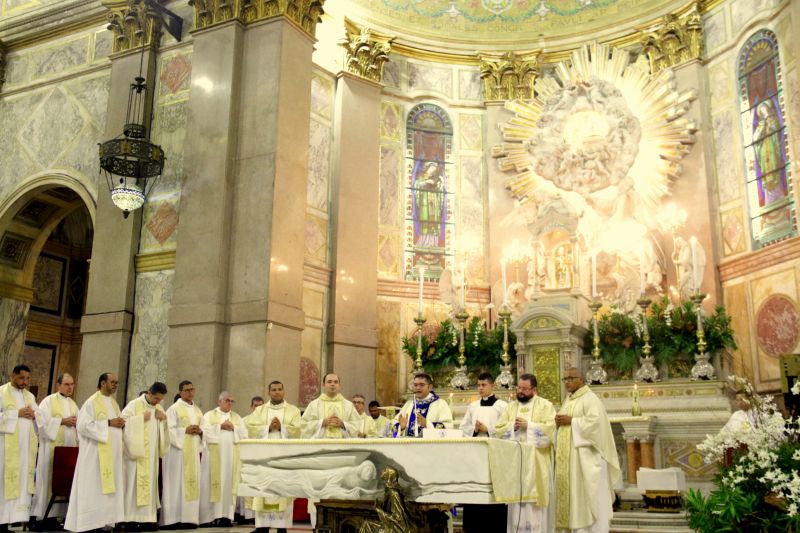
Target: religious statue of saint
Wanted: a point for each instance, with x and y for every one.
(563, 266)
(429, 198)
(768, 152)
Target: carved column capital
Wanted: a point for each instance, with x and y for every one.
(304, 13)
(366, 51)
(677, 38)
(509, 76)
(133, 24)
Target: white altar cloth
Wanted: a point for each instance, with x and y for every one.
(431, 471)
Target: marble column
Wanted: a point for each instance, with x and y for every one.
(197, 336)
(352, 334)
(108, 322)
(648, 454)
(633, 456)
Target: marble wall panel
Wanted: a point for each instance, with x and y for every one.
(721, 87)
(309, 380)
(715, 30)
(313, 303)
(389, 187)
(311, 343)
(429, 78)
(103, 44)
(392, 72)
(169, 131)
(786, 39)
(175, 75)
(726, 157)
(316, 240)
(391, 121)
(737, 307)
(684, 455)
(763, 288)
(743, 11)
(58, 58)
(159, 232)
(734, 237)
(319, 164)
(389, 254)
(387, 364)
(469, 85)
(17, 7)
(13, 323)
(15, 163)
(41, 361)
(148, 360)
(322, 94)
(470, 131)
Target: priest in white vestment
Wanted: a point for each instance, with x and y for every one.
(219, 466)
(180, 491)
(57, 420)
(531, 419)
(587, 466)
(18, 445)
(424, 410)
(360, 403)
(479, 421)
(146, 440)
(331, 415)
(244, 504)
(378, 426)
(743, 419)
(277, 419)
(97, 498)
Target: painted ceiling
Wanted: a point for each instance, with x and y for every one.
(505, 21)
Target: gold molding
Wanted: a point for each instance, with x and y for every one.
(676, 39)
(55, 333)
(509, 76)
(366, 51)
(304, 13)
(155, 261)
(133, 25)
(15, 291)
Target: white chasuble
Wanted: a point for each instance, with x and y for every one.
(180, 492)
(52, 433)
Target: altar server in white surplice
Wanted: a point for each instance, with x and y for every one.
(587, 466)
(277, 419)
(180, 494)
(424, 410)
(146, 440)
(219, 466)
(378, 426)
(244, 504)
(97, 498)
(531, 419)
(18, 445)
(57, 420)
(360, 403)
(331, 415)
(479, 421)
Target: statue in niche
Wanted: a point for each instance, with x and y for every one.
(690, 264)
(450, 287)
(516, 297)
(562, 260)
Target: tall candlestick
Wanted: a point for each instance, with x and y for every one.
(594, 272)
(693, 248)
(421, 303)
(464, 285)
(505, 287)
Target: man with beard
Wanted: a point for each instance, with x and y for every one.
(277, 419)
(587, 466)
(424, 410)
(479, 421)
(531, 419)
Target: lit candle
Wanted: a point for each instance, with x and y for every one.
(693, 248)
(503, 272)
(421, 303)
(450, 400)
(641, 272)
(594, 272)
(464, 285)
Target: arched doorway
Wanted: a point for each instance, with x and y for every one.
(46, 234)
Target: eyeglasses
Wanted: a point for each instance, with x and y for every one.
(569, 378)
(358, 401)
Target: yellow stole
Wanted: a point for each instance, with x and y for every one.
(330, 407)
(105, 450)
(214, 459)
(190, 486)
(57, 411)
(143, 466)
(563, 452)
(12, 481)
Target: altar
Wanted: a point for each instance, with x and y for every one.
(450, 471)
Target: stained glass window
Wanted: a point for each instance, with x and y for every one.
(768, 172)
(428, 192)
